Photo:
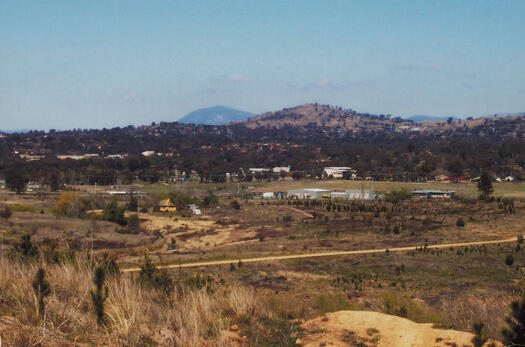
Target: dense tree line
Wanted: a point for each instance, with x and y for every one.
(497, 146)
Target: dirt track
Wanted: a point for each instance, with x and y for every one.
(324, 254)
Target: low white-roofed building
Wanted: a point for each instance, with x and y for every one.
(359, 194)
(268, 195)
(279, 169)
(427, 193)
(309, 193)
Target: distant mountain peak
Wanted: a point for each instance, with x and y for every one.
(215, 115)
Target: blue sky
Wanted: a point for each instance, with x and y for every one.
(94, 64)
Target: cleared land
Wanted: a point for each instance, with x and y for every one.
(305, 259)
(327, 254)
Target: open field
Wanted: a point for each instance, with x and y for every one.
(325, 254)
(446, 260)
(516, 190)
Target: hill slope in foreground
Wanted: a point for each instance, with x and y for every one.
(215, 115)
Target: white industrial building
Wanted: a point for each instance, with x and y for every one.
(359, 194)
(309, 193)
(317, 193)
(424, 193)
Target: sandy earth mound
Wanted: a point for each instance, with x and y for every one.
(364, 328)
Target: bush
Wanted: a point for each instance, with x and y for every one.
(509, 260)
(42, 289)
(133, 222)
(210, 200)
(396, 229)
(480, 337)
(150, 277)
(235, 205)
(24, 249)
(396, 196)
(460, 223)
(100, 294)
(335, 302)
(133, 204)
(114, 213)
(69, 205)
(5, 212)
(514, 333)
(287, 218)
(279, 331)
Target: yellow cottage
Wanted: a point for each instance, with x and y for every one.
(166, 206)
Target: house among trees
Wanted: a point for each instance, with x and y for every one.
(338, 172)
(166, 206)
(279, 169)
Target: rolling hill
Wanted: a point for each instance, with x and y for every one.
(314, 114)
(215, 115)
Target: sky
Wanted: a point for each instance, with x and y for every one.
(95, 64)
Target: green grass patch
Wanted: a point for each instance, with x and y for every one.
(402, 305)
(333, 302)
(22, 208)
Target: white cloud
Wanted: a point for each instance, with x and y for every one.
(328, 84)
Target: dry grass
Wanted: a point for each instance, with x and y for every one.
(135, 315)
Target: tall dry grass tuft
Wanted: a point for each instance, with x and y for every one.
(242, 301)
(197, 317)
(491, 311)
(126, 306)
(136, 316)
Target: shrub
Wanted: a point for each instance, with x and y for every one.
(210, 200)
(24, 249)
(279, 331)
(331, 303)
(150, 277)
(480, 337)
(235, 205)
(100, 294)
(133, 204)
(396, 196)
(199, 281)
(42, 289)
(428, 221)
(396, 229)
(114, 213)
(109, 264)
(5, 212)
(509, 260)
(133, 222)
(460, 223)
(514, 333)
(69, 205)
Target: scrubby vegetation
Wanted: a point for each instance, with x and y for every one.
(129, 313)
